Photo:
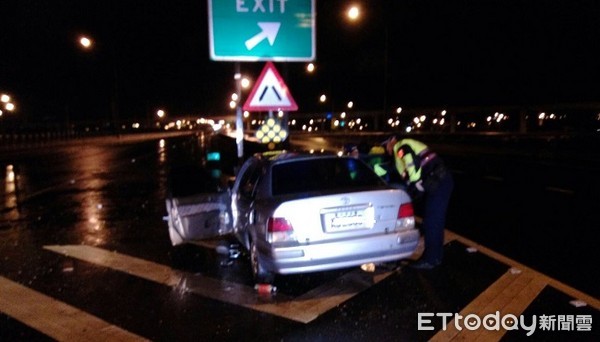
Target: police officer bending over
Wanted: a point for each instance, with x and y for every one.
(429, 181)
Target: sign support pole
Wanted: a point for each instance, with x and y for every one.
(239, 122)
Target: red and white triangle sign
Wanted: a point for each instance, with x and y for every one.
(270, 92)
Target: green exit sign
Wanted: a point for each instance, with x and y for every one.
(262, 30)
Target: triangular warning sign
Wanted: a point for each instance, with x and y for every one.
(270, 92)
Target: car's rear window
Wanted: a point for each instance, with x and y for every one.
(322, 174)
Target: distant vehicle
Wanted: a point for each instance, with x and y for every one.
(299, 213)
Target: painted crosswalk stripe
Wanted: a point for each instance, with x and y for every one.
(592, 301)
(56, 319)
(304, 308)
(512, 293)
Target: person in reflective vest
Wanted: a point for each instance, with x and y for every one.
(427, 180)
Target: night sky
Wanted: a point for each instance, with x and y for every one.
(439, 52)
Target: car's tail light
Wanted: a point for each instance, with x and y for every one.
(406, 217)
(278, 224)
(406, 210)
(279, 229)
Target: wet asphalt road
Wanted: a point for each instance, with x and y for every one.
(111, 195)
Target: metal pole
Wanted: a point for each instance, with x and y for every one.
(239, 121)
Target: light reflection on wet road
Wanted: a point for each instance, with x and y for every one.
(87, 194)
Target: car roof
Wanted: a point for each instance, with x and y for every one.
(284, 155)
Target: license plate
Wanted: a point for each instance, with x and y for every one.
(344, 220)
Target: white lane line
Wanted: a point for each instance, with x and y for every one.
(512, 293)
(56, 319)
(494, 178)
(592, 301)
(303, 309)
(560, 190)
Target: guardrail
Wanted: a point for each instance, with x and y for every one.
(22, 141)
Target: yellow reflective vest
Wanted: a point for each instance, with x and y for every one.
(405, 153)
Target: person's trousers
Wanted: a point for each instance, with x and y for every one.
(434, 219)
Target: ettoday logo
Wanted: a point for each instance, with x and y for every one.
(495, 321)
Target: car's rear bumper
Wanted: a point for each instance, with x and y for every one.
(339, 254)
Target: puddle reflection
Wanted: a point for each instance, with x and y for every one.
(11, 209)
(93, 162)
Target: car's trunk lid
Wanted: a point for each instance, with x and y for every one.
(342, 216)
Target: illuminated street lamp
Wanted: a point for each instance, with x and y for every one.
(88, 43)
(7, 104)
(85, 42)
(323, 98)
(245, 83)
(310, 67)
(160, 113)
(353, 13)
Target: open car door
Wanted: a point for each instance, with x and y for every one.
(198, 205)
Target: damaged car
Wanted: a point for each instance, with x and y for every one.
(300, 212)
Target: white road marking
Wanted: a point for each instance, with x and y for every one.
(56, 319)
(594, 302)
(560, 190)
(494, 178)
(511, 293)
(304, 308)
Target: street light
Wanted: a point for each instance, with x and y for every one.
(245, 83)
(353, 13)
(160, 113)
(7, 104)
(236, 97)
(85, 42)
(88, 43)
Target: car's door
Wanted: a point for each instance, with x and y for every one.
(243, 194)
(198, 206)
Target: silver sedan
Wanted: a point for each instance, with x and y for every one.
(299, 213)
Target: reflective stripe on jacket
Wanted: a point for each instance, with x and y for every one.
(406, 157)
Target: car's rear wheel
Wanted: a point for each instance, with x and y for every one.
(261, 275)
